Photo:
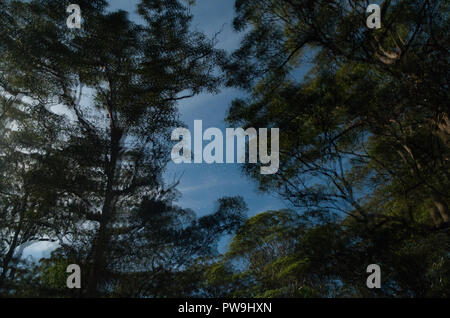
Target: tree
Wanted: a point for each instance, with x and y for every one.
(355, 118)
(364, 134)
(260, 261)
(374, 104)
(288, 254)
(118, 84)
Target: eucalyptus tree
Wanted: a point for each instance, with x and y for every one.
(365, 131)
(117, 83)
(364, 127)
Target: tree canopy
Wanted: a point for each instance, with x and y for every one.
(85, 122)
(364, 134)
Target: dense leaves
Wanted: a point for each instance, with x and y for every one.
(364, 135)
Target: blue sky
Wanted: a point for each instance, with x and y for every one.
(202, 184)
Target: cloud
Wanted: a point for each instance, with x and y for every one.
(39, 250)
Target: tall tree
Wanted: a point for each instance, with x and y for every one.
(364, 134)
(118, 83)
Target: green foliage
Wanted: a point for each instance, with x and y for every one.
(364, 146)
(329, 259)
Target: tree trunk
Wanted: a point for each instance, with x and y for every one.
(101, 243)
(99, 256)
(441, 209)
